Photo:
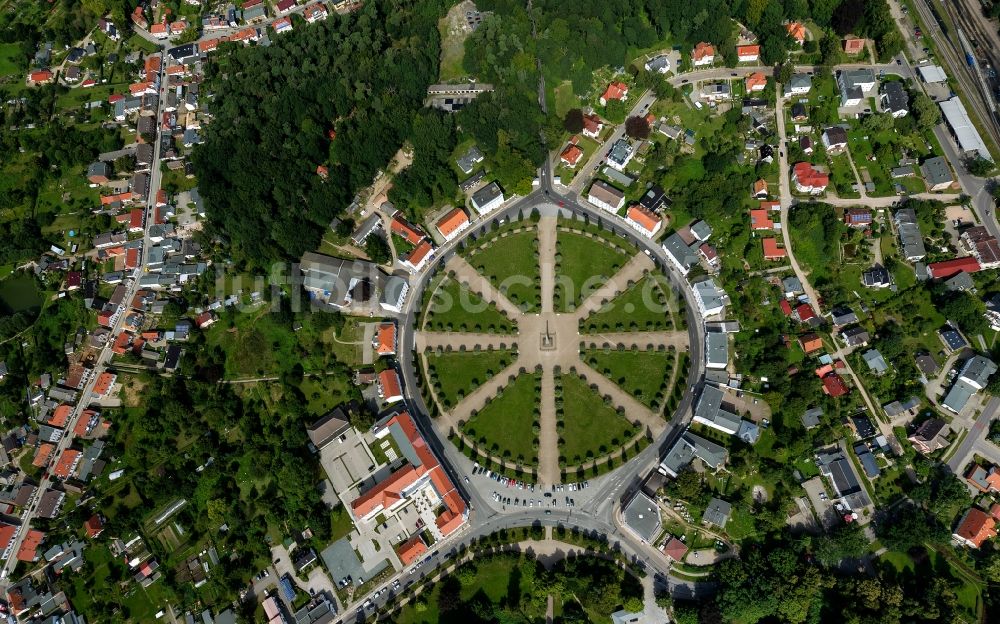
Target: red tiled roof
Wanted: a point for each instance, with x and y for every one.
(755, 81)
(853, 46)
(617, 90)
(60, 416)
(7, 532)
(402, 228)
(797, 31)
(131, 258)
(807, 175)
(29, 545)
(703, 50)
(810, 343)
(40, 76)
(592, 123)
(976, 527)
(760, 219)
(452, 221)
(834, 385)
(419, 252)
(67, 461)
(748, 50)
(411, 549)
(675, 549)
(104, 383)
(645, 217)
(760, 187)
(805, 312)
(571, 155)
(42, 455)
(947, 268)
(772, 251)
(389, 381)
(81, 423)
(385, 339)
(786, 307)
(93, 526)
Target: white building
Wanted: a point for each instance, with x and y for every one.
(605, 196)
(711, 299)
(487, 198)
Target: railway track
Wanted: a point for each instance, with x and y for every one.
(985, 48)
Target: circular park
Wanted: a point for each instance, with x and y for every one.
(553, 349)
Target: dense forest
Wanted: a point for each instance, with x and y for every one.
(360, 75)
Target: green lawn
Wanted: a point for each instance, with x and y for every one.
(565, 99)
(583, 265)
(505, 425)
(10, 54)
(591, 427)
(643, 374)
(643, 307)
(511, 263)
(457, 374)
(456, 308)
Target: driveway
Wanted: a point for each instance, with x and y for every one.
(824, 508)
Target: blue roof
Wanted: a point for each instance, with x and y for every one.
(287, 588)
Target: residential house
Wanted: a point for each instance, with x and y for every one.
(710, 298)
(703, 54)
(644, 220)
(858, 217)
(800, 84)
(654, 198)
(748, 53)
(911, 241)
(760, 219)
(772, 250)
(717, 513)
(983, 479)
(835, 139)
(810, 343)
(947, 268)
(390, 388)
(621, 154)
(642, 517)
(854, 85)
(592, 125)
(760, 189)
(937, 173)
(688, 448)
(975, 527)
(929, 436)
(315, 12)
(384, 341)
(876, 363)
(855, 336)
(616, 90)
(571, 155)
(796, 31)
(716, 350)
(836, 467)
(853, 45)
(488, 198)
(894, 99)
(974, 376)
(808, 179)
(605, 196)
(468, 161)
(682, 254)
(453, 223)
(716, 91)
(659, 64)
(755, 82)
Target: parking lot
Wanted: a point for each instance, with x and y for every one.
(823, 506)
(508, 494)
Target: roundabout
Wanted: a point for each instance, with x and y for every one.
(522, 314)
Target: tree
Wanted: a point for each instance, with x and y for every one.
(878, 122)
(377, 249)
(965, 309)
(783, 74)
(573, 122)
(829, 49)
(978, 166)
(637, 127)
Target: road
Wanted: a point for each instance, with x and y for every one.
(976, 437)
(105, 354)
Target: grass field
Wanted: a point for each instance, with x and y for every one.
(453, 33)
(643, 374)
(10, 59)
(457, 374)
(456, 308)
(592, 428)
(504, 426)
(643, 307)
(511, 263)
(583, 265)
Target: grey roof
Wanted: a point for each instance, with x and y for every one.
(486, 194)
(842, 315)
(838, 468)
(709, 293)
(929, 429)
(875, 361)
(717, 512)
(620, 151)
(657, 63)
(959, 282)
(855, 336)
(393, 289)
(896, 408)
(618, 176)
(867, 461)
(792, 284)
(469, 159)
(850, 78)
(800, 81)
(689, 446)
(717, 348)
(472, 181)
(909, 234)
(334, 276)
(749, 432)
(835, 135)
(701, 230)
(810, 418)
(367, 226)
(936, 171)
(680, 251)
(901, 172)
(978, 370)
(961, 125)
(328, 427)
(926, 364)
(642, 515)
(710, 409)
(959, 395)
(894, 96)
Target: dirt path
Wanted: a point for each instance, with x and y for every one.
(547, 260)
(465, 273)
(548, 436)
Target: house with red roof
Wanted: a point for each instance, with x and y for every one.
(571, 155)
(60, 415)
(858, 217)
(760, 219)
(616, 90)
(748, 53)
(983, 479)
(592, 125)
(42, 76)
(772, 251)
(94, 526)
(105, 381)
(42, 455)
(7, 533)
(810, 343)
(975, 527)
(453, 223)
(674, 549)
(282, 24)
(808, 179)
(703, 54)
(315, 13)
(418, 257)
(67, 462)
(159, 30)
(804, 313)
(402, 228)
(786, 308)
(760, 189)
(139, 19)
(411, 550)
(755, 82)
(28, 551)
(948, 268)
(834, 386)
(390, 388)
(284, 6)
(796, 31)
(644, 220)
(384, 341)
(853, 45)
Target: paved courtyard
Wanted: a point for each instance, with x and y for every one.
(550, 340)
